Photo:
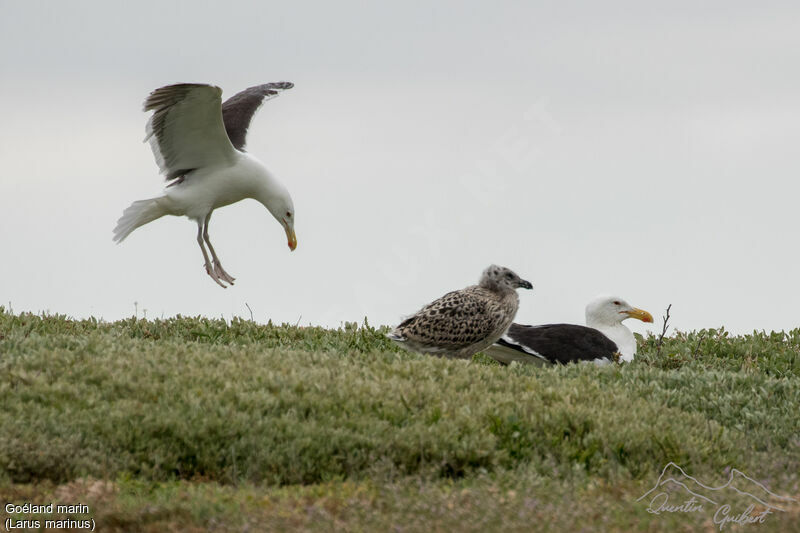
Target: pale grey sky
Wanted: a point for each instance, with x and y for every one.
(636, 148)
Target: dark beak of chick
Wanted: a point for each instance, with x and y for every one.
(525, 284)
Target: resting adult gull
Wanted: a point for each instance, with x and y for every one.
(604, 338)
(462, 323)
(199, 145)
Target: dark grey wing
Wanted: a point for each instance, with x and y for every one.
(238, 110)
(559, 343)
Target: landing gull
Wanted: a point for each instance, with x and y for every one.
(462, 323)
(199, 145)
(604, 338)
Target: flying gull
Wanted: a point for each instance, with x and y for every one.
(462, 323)
(602, 340)
(199, 145)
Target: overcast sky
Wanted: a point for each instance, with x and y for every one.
(643, 149)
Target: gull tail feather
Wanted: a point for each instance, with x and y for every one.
(138, 214)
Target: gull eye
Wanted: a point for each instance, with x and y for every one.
(508, 275)
(288, 214)
(616, 302)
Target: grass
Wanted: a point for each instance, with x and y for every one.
(222, 425)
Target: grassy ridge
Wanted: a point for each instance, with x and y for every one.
(244, 405)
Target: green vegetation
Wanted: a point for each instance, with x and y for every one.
(221, 425)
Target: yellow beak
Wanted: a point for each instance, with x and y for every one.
(640, 314)
(290, 236)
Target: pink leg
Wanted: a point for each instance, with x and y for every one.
(209, 268)
(218, 270)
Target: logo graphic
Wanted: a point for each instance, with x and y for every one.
(740, 500)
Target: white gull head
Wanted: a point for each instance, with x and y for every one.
(606, 313)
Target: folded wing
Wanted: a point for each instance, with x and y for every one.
(559, 343)
(454, 321)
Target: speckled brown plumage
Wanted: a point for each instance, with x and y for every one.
(462, 323)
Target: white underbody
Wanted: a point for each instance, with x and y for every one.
(210, 188)
(203, 190)
(622, 337)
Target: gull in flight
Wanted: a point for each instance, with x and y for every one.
(199, 145)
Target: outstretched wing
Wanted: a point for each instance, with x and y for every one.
(186, 131)
(238, 110)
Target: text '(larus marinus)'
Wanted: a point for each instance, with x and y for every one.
(462, 323)
(604, 338)
(199, 145)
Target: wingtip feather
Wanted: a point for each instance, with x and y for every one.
(395, 336)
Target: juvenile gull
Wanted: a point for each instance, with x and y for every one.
(602, 340)
(199, 145)
(462, 323)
